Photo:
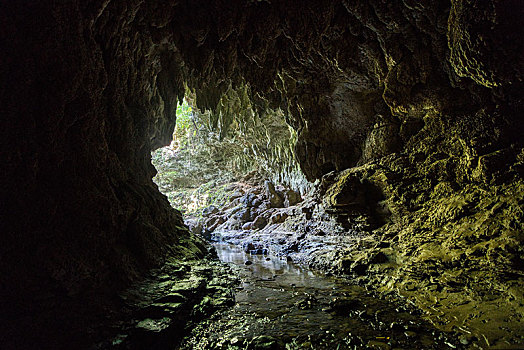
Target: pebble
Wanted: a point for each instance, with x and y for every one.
(373, 344)
(466, 340)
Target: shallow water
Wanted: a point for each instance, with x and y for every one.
(280, 305)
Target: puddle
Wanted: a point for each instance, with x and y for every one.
(281, 305)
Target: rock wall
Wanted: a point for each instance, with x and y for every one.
(266, 142)
(85, 97)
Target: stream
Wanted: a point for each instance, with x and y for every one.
(281, 305)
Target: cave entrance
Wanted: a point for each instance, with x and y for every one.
(227, 170)
(196, 170)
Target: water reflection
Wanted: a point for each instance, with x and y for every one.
(266, 266)
(287, 301)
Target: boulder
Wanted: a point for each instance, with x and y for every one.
(232, 211)
(276, 199)
(291, 198)
(247, 246)
(259, 222)
(259, 251)
(257, 202)
(220, 220)
(236, 195)
(247, 226)
(243, 215)
(212, 223)
(247, 200)
(278, 217)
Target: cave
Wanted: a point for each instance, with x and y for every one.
(387, 139)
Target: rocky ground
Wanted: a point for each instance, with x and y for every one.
(442, 256)
(283, 305)
(157, 312)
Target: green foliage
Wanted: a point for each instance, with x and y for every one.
(193, 170)
(184, 124)
(191, 201)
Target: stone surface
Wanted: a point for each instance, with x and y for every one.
(276, 199)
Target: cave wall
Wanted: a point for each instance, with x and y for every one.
(90, 88)
(85, 97)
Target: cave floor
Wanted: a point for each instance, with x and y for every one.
(282, 305)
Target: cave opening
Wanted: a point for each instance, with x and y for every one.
(221, 170)
(195, 169)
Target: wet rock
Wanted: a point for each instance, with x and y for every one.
(231, 224)
(212, 223)
(232, 211)
(291, 198)
(308, 212)
(344, 306)
(172, 298)
(259, 222)
(276, 199)
(209, 210)
(248, 200)
(320, 233)
(152, 325)
(236, 195)
(257, 202)
(265, 342)
(247, 226)
(248, 262)
(374, 344)
(164, 303)
(247, 246)
(252, 246)
(262, 251)
(307, 303)
(243, 215)
(292, 247)
(278, 217)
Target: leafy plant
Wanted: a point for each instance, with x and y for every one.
(184, 124)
